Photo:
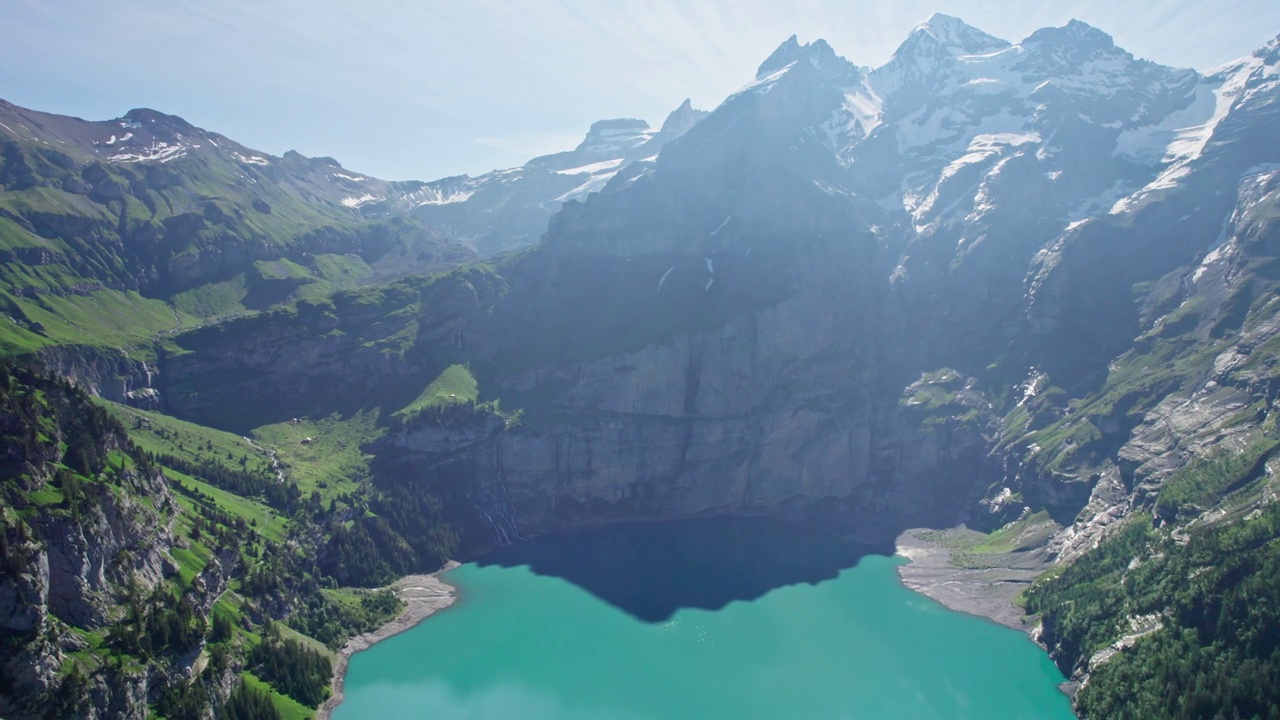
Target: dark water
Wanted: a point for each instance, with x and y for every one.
(701, 620)
(652, 570)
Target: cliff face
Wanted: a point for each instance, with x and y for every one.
(82, 528)
(832, 296)
(734, 365)
(106, 373)
(74, 571)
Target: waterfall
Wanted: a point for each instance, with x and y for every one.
(494, 503)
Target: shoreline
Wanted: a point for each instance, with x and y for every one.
(423, 596)
(987, 591)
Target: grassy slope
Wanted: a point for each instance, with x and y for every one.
(455, 384)
(111, 255)
(288, 708)
(324, 466)
(74, 294)
(332, 463)
(263, 519)
(162, 434)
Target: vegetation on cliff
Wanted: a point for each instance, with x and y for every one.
(1196, 616)
(204, 570)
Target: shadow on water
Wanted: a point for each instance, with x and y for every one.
(652, 570)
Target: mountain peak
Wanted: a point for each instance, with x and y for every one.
(957, 36)
(818, 52)
(779, 58)
(1076, 33)
(149, 118)
(607, 137)
(1269, 52)
(682, 118)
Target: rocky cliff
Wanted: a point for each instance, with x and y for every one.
(83, 526)
(888, 294)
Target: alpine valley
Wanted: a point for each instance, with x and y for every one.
(1013, 309)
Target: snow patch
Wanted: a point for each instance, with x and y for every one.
(857, 116)
(1179, 135)
(1213, 257)
(251, 159)
(981, 149)
(1186, 142)
(593, 167)
(763, 85)
(355, 202)
(352, 178)
(952, 124)
(161, 152)
(437, 196)
(1031, 386)
(721, 227)
(595, 183)
(987, 85)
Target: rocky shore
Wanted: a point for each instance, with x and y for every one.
(423, 596)
(985, 585)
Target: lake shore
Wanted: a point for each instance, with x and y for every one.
(988, 590)
(423, 596)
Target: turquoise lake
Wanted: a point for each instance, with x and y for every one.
(524, 646)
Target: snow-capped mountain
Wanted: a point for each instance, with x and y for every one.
(972, 160)
(150, 202)
(869, 287)
(150, 139)
(499, 210)
(954, 108)
(506, 209)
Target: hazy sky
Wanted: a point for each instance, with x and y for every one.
(422, 89)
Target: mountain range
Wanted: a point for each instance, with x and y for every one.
(1031, 288)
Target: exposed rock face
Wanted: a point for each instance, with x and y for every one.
(24, 595)
(91, 559)
(111, 375)
(893, 294)
(84, 524)
(74, 572)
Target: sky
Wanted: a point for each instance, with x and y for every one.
(422, 89)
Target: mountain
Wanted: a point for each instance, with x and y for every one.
(113, 232)
(143, 563)
(987, 282)
(509, 209)
(1029, 288)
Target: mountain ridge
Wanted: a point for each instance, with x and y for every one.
(1031, 289)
